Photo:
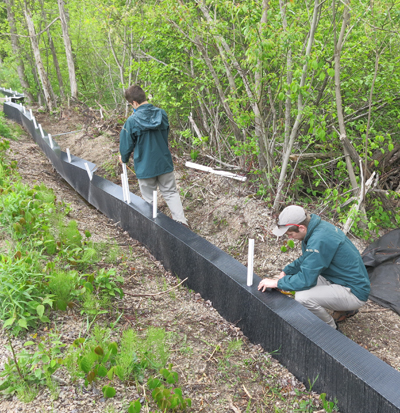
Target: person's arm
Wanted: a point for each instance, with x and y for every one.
(316, 258)
(294, 267)
(127, 141)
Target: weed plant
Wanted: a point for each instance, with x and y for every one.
(63, 286)
(5, 130)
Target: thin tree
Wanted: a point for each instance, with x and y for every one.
(300, 106)
(38, 59)
(68, 50)
(16, 51)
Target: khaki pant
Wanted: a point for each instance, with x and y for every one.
(326, 295)
(167, 185)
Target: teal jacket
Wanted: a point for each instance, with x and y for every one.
(146, 134)
(327, 252)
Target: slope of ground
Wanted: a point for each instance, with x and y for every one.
(219, 369)
(227, 213)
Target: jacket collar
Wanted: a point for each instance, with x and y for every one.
(315, 220)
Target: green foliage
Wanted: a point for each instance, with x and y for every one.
(287, 244)
(63, 286)
(31, 369)
(44, 242)
(23, 295)
(135, 407)
(127, 358)
(5, 130)
(168, 397)
(194, 154)
(328, 406)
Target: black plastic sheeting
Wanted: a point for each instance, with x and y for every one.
(382, 259)
(307, 346)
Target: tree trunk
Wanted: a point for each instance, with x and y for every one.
(347, 147)
(68, 50)
(228, 56)
(261, 134)
(57, 66)
(289, 78)
(229, 114)
(300, 107)
(16, 50)
(38, 60)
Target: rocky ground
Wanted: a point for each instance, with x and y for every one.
(218, 375)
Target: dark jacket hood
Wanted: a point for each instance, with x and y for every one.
(148, 117)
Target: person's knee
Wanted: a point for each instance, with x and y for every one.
(301, 297)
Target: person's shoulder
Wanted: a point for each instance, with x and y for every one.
(327, 233)
(130, 124)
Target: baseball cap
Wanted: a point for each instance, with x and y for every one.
(291, 215)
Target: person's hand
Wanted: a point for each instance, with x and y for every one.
(120, 159)
(267, 283)
(281, 275)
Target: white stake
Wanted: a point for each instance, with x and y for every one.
(123, 187)
(23, 108)
(154, 204)
(125, 184)
(128, 194)
(69, 155)
(41, 130)
(34, 123)
(30, 112)
(88, 171)
(250, 263)
(51, 141)
(124, 169)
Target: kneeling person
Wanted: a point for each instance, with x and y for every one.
(330, 273)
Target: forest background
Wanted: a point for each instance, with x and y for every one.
(303, 96)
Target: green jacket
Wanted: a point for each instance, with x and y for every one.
(146, 134)
(327, 252)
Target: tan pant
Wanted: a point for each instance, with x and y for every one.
(326, 295)
(167, 185)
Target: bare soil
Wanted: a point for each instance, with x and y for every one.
(225, 212)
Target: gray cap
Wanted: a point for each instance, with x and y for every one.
(291, 215)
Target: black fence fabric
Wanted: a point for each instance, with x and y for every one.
(307, 346)
(382, 259)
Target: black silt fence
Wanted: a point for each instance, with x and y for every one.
(307, 346)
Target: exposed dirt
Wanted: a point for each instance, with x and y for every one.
(226, 213)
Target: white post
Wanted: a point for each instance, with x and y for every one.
(154, 204)
(23, 108)
(30, 112)
(51, 141)
(88, 171)
(123, 187)
(128, 195)
(125, 184)
(41, 130)
(250, 263)
(124, 169)
(34, 123)
(69, 155)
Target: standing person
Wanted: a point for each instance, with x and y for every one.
(146, 134)
(329, 275)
